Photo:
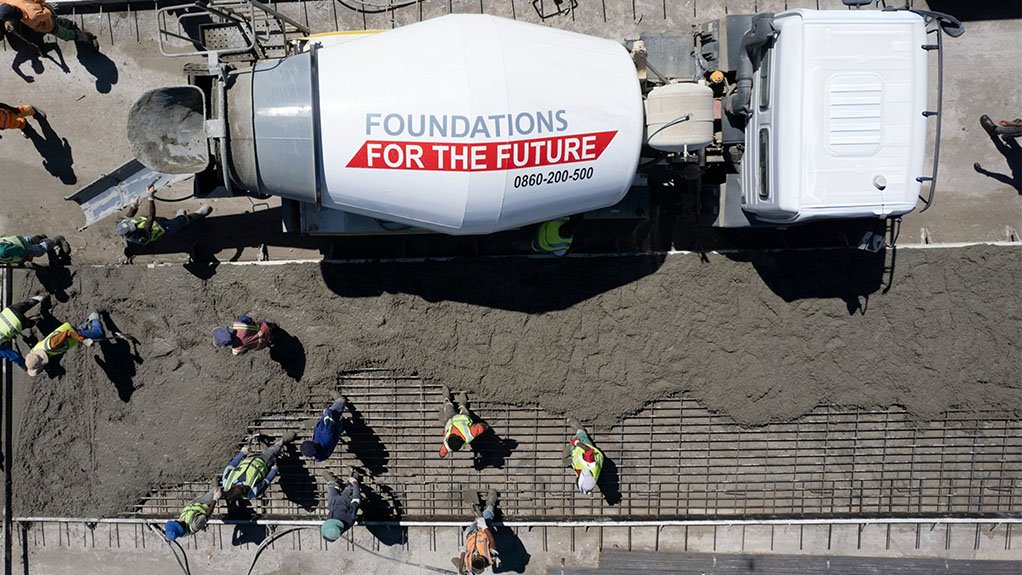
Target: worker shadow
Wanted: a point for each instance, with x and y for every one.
(851, 275)
(491, 450)
(365, 444)
(34, 50)
(529, 285)
(119, 358)
(297, 483)
(514, 557)
(55, 152)
(55, 279)
(288, 351)
(102, 68)
(380, 503)
(1012, 152)
(609, 482)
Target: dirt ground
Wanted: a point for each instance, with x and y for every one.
(763, 339)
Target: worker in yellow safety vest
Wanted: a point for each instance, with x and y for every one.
(586, 459)
(12, 322)
(60, 341)
(144, 230)
(459, 428)
(193, 517)
(480, 551)
(553, 237)
(248, 475)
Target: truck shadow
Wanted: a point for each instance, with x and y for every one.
(851, 275)
(530, 285)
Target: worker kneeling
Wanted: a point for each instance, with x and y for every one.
(586, 459)
(19, 250)
(342, 506)
(13, 320)
(459, 428)
(60, 341)
(144, 230)
(193, 517)
(327, 432)
(247, 476)
(480, 551)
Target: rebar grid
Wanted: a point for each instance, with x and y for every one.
(674, 459)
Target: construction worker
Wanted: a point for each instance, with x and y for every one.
(459, 428)
(247, 475)
(341, 506)
(243, 335)
(193, 517)
(18, 250)
(13, 117)
(327, 433)
(586, 459)
(60, 341)
(12, 321)
(144, 230)
(39, 16)
(553, 237)
(479, 543)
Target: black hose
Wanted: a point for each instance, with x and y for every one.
(171, 201)
(274, 537)
(183, 564)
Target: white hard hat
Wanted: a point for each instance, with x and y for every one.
(586, 481)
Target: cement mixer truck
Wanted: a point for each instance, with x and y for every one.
(473, 124)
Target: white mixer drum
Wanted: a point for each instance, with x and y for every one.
(470, 124)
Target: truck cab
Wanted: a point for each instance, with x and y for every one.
(837, 127)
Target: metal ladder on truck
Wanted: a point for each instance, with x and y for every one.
(235, 31)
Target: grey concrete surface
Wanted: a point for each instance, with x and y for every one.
(106, 549)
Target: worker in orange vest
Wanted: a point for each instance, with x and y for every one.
(479, 543)
(13, 117)
(39, 16)
(459, 428)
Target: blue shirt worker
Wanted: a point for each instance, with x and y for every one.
(193, 517)
(62, 340)
(341, 506)
(17, 250)
(12, 322)
(327, 433)
(247, 475)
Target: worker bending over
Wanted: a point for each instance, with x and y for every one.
(247, 475)
(60, 341)
(327, 433)
(12, 322)
(38, 16)
(553, 237)
(342, 506)
(193, 517)
(14, 117)
(586, 459)
(243, 335)
(459, 428)
(18, 250)
(144, 230)
(480, 551)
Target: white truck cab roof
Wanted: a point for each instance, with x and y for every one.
(837, 118)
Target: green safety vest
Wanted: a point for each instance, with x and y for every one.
(13, 250)
(155, 232)
(549, 239)
(579, 464)
(192, 512)
(464, 425)
(10, 325)
(47, 346)
(249, 472)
